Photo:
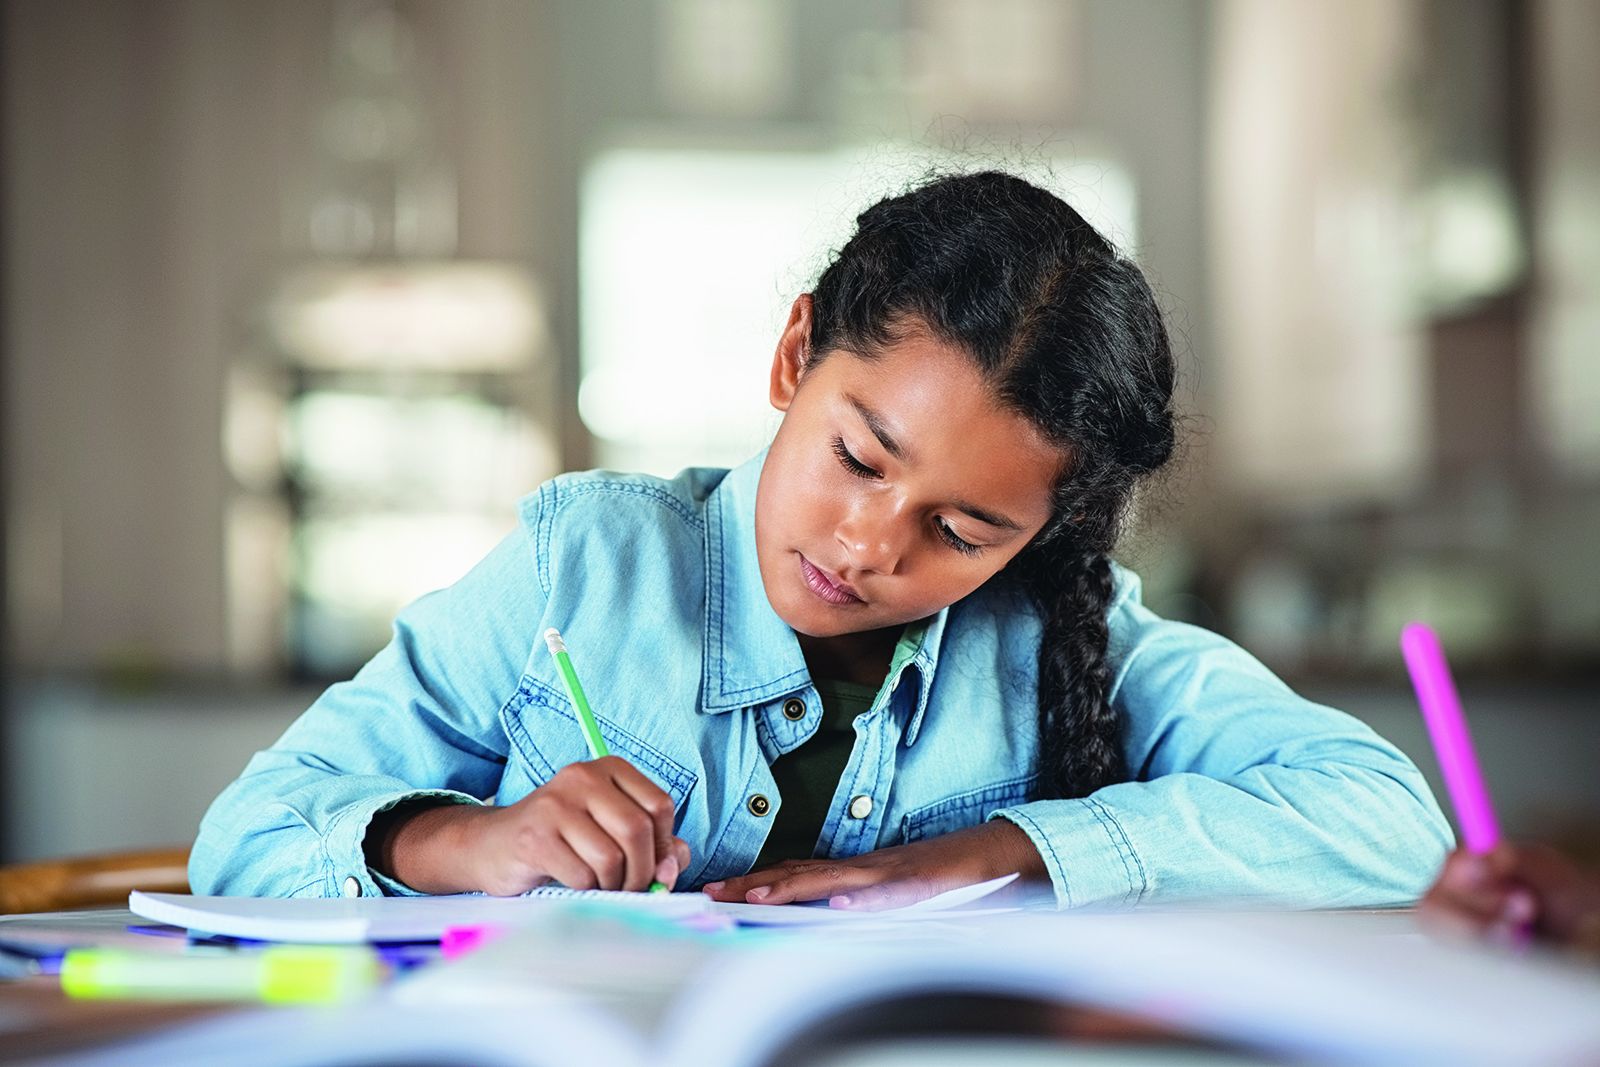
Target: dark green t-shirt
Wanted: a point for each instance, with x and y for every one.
(808, 776)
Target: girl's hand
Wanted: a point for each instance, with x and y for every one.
(893, 877)
(1512, 890)
(595, 825)
(1477, 896)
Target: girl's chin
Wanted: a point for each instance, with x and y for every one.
(808, 614)
(814, 623)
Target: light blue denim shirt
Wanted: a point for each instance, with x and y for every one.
(1239, 789)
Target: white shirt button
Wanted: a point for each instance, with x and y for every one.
(352, 886)
(860, 807)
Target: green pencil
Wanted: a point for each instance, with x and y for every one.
(586, 722)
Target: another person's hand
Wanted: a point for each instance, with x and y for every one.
(595, 825)
(1514, 890)
(892, 877)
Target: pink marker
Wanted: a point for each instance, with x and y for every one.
(458, 941)
(1441, 710)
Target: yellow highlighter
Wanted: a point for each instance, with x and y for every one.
(283, 974)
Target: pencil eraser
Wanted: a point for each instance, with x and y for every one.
(552, 637)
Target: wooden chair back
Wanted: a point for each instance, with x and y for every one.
(88, 881)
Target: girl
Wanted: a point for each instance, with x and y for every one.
(888, 657)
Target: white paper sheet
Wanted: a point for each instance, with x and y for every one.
(337, 920)
(818, 913)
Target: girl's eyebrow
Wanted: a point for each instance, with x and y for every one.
(989, 517)
(880, 430)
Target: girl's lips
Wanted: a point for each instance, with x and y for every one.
(824, 586)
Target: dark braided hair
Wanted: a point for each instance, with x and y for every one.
(1066, 333)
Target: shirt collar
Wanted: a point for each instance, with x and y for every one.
(751, 655)
(925, 659)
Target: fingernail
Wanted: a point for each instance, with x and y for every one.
(840, 901)
(667, 871)
(759, 893)
(1473, 870)
(1520, 908)
(712, 887)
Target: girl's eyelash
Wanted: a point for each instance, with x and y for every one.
(851, 463)
(861, 470)
(966, 548)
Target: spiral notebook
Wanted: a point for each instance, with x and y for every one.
(341, 920)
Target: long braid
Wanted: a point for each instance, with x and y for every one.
(1080, 733)
(1068, 335)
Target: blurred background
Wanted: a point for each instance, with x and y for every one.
(301, 295)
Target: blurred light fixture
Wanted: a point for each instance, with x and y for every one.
(438, 317)
(1474, 245)
(457, 451)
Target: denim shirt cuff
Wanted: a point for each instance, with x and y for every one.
(1090, 859)
(346, 843)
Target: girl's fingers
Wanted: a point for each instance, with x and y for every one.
(1466, 872)
(1472, 895)
(870, 898)
(673, 863)
(1513, 926)
(651, 797)
(667, 871)
(605, 865)
(886, 895)
(657, 806)
(564, 865)
(736, 889)
(632, 831)
(822, 881)
(1520, 908)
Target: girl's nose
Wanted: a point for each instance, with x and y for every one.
(873, 540)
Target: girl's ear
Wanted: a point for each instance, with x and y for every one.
(789, 362)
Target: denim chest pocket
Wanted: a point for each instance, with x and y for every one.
(556, 740)
(964, 809)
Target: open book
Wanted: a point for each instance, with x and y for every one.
(594, 985)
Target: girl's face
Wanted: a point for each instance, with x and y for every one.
(895, 485)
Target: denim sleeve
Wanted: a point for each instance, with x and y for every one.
(420, 720)
(1240, 791)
